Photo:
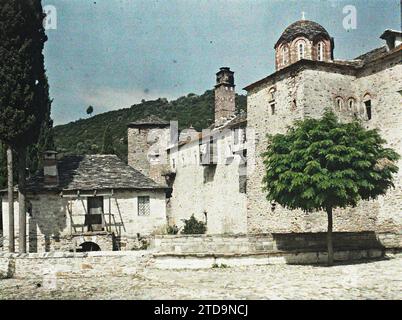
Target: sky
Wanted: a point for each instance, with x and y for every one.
(111, 54)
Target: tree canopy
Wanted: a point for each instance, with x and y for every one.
(323, 163)
(23, 85)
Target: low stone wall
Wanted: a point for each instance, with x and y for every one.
(63, 264)
(210, 260)
(200, 251)
(299, 242)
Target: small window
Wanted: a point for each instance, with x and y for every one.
(339, 103)
(321, 51)
(351, 105)
(273, 108)
(368, 109)
(285, 51)
(301, 50)
(143, 206)
(272, 92)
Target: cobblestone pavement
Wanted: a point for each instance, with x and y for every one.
(370, 280)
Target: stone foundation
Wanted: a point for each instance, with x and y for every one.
(63, 264)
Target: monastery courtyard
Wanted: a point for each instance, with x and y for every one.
(381, 279)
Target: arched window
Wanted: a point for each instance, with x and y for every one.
(285, 53)
(321, 51)
(367, 104)
(272, 94)
(351, 105)
(300, 50)
(339, 103)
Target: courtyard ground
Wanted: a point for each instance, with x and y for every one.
(371, 280)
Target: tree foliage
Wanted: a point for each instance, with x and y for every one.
(107, 147)
(23, 83)
(322, 163)
(85, 136)
(90, 110)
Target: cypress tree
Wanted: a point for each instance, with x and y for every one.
(24, 96)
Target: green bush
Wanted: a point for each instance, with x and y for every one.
(172, 229)
(193, 226)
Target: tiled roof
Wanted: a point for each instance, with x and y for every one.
(309, 29)
(94, 172)
(373, 54)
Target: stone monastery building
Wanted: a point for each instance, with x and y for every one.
(98, 202)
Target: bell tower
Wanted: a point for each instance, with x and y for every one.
(225, 105)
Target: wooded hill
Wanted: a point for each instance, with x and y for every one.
(86, 136)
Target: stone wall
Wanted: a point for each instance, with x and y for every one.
(50, 266)
(306, 92)
(211, 192)
(147, 150)
(302, 242)
(50, 229)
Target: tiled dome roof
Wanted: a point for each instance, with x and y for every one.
(309, 29)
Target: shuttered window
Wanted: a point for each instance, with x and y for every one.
(143, 206)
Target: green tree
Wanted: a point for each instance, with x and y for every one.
(90, 110)
(23, 86)
(107, 146)
(323, 164)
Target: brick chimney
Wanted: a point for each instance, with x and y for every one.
(225, 104)
(50, 173)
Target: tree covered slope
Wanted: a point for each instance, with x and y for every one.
(86, 136)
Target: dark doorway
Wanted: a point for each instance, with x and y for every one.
(94, 218)
(89, 246)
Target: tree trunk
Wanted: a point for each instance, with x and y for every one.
(329, 238)
(21, 200)
(10, 182)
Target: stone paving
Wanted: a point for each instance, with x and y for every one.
(370, 280)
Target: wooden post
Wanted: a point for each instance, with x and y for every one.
(11, 241)
(22, 201)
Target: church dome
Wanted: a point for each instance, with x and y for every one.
(303, 40)
(306, 28)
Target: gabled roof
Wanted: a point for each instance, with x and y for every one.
(94, 172)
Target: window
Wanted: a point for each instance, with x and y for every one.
(368, 109)
(367, 104)
(143, 206)
(339, 103)
(301, 50)
(272, 94)
(273, 108)
(94, 217)
(321, 51)
(285, 52)
(351, 104)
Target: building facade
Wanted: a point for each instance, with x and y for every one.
(367, 88)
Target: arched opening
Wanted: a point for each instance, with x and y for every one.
(300, 50)
(320, 52)
(285, 54)
(367, 105)
(339, 103)
(351, 105)
(88, 246)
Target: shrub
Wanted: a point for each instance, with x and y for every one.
(172, 229)
(193, 226)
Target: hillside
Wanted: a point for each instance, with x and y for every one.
(85, 136)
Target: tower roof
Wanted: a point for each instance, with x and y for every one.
(307, 28)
